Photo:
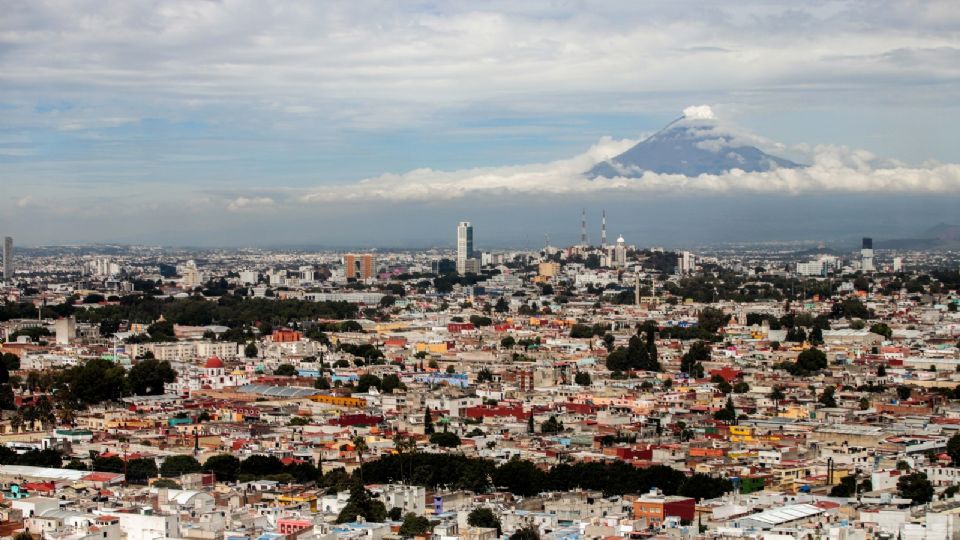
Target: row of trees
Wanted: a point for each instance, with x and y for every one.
(525, 478)
(100, 380)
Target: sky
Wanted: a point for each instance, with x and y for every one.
(342, 124)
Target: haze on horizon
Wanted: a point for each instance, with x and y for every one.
(377, 123)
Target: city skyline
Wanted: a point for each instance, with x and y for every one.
(224, 124)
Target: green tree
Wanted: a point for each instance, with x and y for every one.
(389, 383)
(698, 352)
(702, 486)
(508, 342)
(827, 398)
(728, 413)
(285, 370)
(712, 319)
(581, 331)
(414, 525)
(882, 329)
(428, 422)
(141, 470)
(76, 465)
(484, 375)
(582, 378)
(226, 467)
(147, 377)
(816, 336)
(250, 351)
(812, 360)
(777, 395)
(362, 504)
(260, 465)
(165, 483)
(521, 478)
(916, 487)
(92, 382)
(904, 392)
(445, 440)
(366, 381)
(526, 533)
(112, 464)
(179, 465)
(551, 425)
(484, 517)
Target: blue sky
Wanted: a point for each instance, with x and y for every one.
(238, 121)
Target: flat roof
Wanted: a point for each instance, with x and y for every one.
(786, 514)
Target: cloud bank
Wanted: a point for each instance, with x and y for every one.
(832, 169)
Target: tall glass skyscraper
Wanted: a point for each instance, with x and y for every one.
(464, 245)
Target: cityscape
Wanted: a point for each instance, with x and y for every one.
(228, 313)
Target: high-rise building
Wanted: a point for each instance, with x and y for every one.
(603, 231)
(66, 330)
(898, 264)
(866, 255)
(686, 262)
(358, 266)
(190, 276)
(620, 253)
(464, 245)
(7, 258)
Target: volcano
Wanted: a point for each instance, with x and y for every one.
(691, 145)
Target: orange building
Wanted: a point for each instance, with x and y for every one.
(358, 266)
(285, 335)
(655, 508)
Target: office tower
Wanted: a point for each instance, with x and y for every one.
(358, 266)
(308, 274)
(464, 245)
(866, 255)
(548, 270)
(7, 258)
(583, 228)
(249, 277)
(66, 330)
(686, 262)
(190, 276)
(636, 288)
(897, 264)
(603, 231)
(620, 253)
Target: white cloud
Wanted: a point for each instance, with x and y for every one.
(832, 169)
(698, 112)
(410, 63)
(248, 204)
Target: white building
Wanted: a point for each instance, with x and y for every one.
(464, 245)
(190, 276)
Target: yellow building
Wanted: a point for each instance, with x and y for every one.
(339, 401)
(548, 270)
(432, 348)
(741, 434)
(299, 499)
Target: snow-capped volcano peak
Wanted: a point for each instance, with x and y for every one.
(692, 145)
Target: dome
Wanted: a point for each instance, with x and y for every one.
(213, 362)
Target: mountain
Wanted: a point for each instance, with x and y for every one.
(940, 236)
(691, 145)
